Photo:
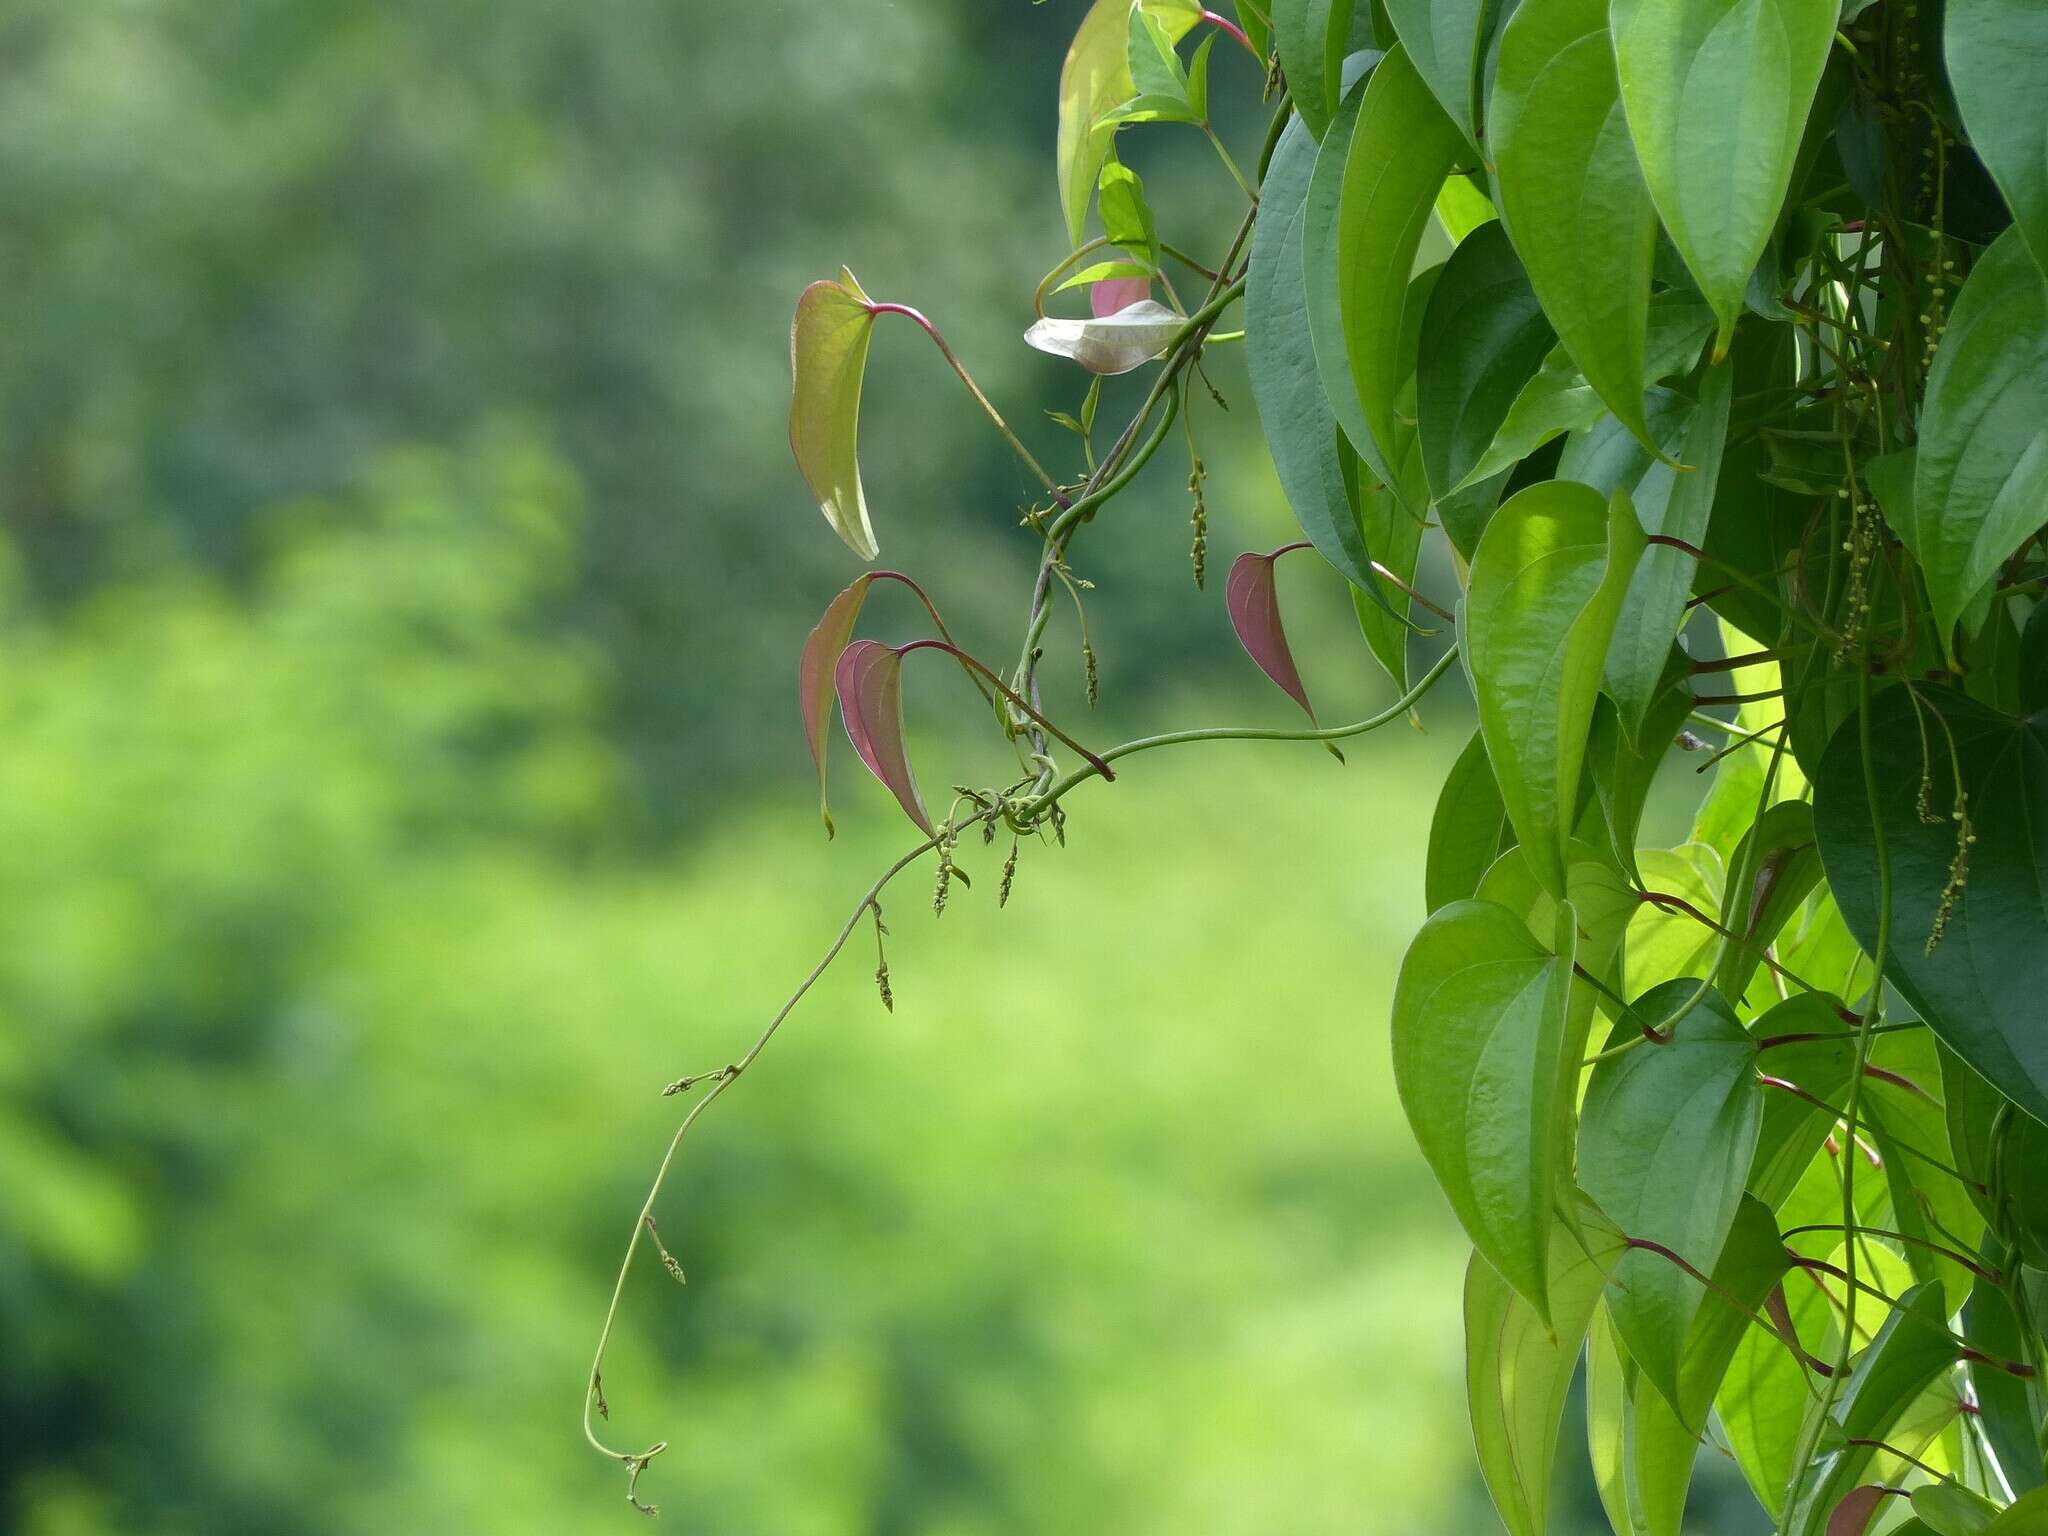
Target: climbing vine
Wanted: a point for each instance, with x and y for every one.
(1708, 339)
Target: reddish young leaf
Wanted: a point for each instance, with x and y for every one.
(1853, 1515)
(814, 674)
(869, 678)
(1254, 606)
(1117, 293)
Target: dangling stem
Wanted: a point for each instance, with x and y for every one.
(974, 389)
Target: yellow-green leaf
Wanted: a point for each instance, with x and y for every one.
(828, 353)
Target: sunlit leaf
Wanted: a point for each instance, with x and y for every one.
(1624, 771)
(1519, 1365)
(1665, 942)
(2005, 1404)
(828, 353)
(1794, 1123)
(1126, 215)
(2027, 1516)
(1981, 480)
(1096, 77)
(1980, 986)
(1654, 1444)
(1779, 863)
(1911, 1349)
(1949, 1509)
(1569, 188)
(1930, 1206)
(1546, 585)
(1666, 1136)
(1253, 601)
(869, 681)
(1301, 432)
(815, 675)
(1400, 152)
(1997, 55)
(1717, 95)
(1109, 344)
(1479, 1038)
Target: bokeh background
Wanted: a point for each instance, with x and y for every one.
(401, 579)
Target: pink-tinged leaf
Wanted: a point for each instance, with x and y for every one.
(869, 678)
(828, 354)
(1118, 293)
(1853, 1515)
(1254, 605)
(814, 674)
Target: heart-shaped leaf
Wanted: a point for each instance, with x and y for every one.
(1950, 1509)
(1717, 94)
(1301, 433)
(1763, 1398)
(1110, 344)
(1519, 1364)
(1479, 1045)
(1775, 868)
(1911, 1349)
(1808, 1056)
(1858, 1508)
(828, 354)
(1666, 1136)
(1096, 77)
(1978, 904)
(869, 679)
(1400, 152)
(1572, 195)
(1547, 583)
(1650, 1447)
(1253, 601)
(1981, 479)
(1483, 338)
(1997, 56)
(1322, 283)
(816, 671)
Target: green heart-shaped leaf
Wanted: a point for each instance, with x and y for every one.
(1547, 583)
(1479, 1060)
(1096, 77)
(1401, 150)
(1980, 984)
(1469, 830)
(1666, 1137)
(1981, 478)
(1518, 1365)
(1572, 195)
(1717, 94)
(1997, 55)
(1447, 40)
(1301, 432)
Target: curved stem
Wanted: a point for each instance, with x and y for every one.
(1393, 711)
(1016, 443)
(1097, 764)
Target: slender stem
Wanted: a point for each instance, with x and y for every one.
(1097, 764)
(1016, 443)
(1230, 165)
(1992, 1276)
(1393, 711)
(1225, 24)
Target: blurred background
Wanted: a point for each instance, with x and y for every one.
(402, 574)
